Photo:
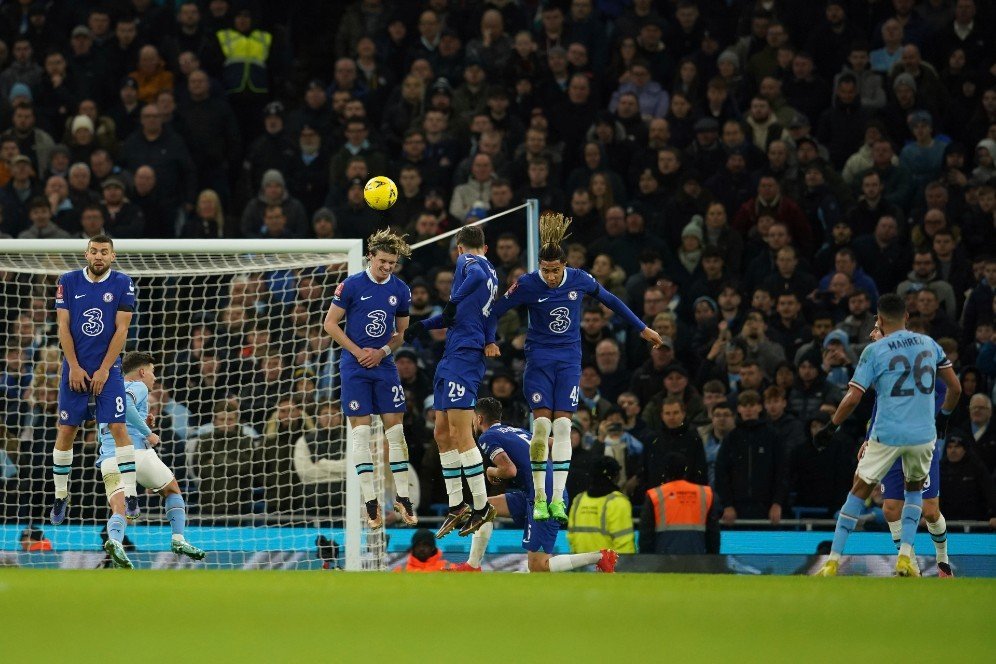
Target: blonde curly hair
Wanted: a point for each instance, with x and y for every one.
(389, 242)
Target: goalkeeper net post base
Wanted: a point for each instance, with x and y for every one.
(247, 403)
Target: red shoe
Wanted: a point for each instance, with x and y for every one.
(944, 571)
(464, 567)
(607, 563)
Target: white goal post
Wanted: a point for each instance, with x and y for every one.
(235, 326)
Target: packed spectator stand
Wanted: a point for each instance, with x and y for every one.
(747, 175)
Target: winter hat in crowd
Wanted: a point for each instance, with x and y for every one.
(693, 229)
(840, 336)
(273, 176)
(19, 90)
(904, 79)
(479, 210)
(988, 145)
(81, 122)
(708, 300)
(729, 56)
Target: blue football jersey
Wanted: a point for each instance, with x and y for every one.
(92, 307)
(475, 286)
(555, 313)
(371, 309)
(515, 443)
(137, 395)
(902, 367)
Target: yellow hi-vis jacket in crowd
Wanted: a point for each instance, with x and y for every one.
(605, 522)
(245, 60)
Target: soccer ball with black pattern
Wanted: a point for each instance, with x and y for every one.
(380, 192)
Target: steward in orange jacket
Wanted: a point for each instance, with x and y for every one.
(675, 513)
(424, 556)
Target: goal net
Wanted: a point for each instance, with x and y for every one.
(246, 404)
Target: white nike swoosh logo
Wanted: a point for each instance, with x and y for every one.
(366, 298)
(543, 299)
(76, 297)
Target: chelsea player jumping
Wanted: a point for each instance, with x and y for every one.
(458, 376)
(375, 303)
(94, 307)
(554, 295)
(903, 367)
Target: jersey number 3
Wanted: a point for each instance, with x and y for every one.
(377, 325)
(94, 324)
(561, 320)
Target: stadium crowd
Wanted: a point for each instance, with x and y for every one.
(748, 175)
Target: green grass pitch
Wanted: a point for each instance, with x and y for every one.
(194, 616)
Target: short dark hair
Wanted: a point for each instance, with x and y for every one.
(892, 307)
(100, 239)
(39, 202)
(471, 237)
(748, 398)
(489, 408)
(134, 360)
(672, 400)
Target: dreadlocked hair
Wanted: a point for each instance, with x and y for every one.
(553, 232)
(389, 242)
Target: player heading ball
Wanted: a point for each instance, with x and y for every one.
(375, 303)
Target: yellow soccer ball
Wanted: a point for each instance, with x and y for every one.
(380, 192)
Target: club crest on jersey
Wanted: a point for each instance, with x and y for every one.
(108, 297)
(64, 415)
(573, 295)
(393, 301)
(536, 397)
(354, 405)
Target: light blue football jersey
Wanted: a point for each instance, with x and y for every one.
(902, 368)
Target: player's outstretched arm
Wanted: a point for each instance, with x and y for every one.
(122, 319)
(78, 377)
(618, 306)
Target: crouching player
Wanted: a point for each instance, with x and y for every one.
(508, 449)
(151, 472)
